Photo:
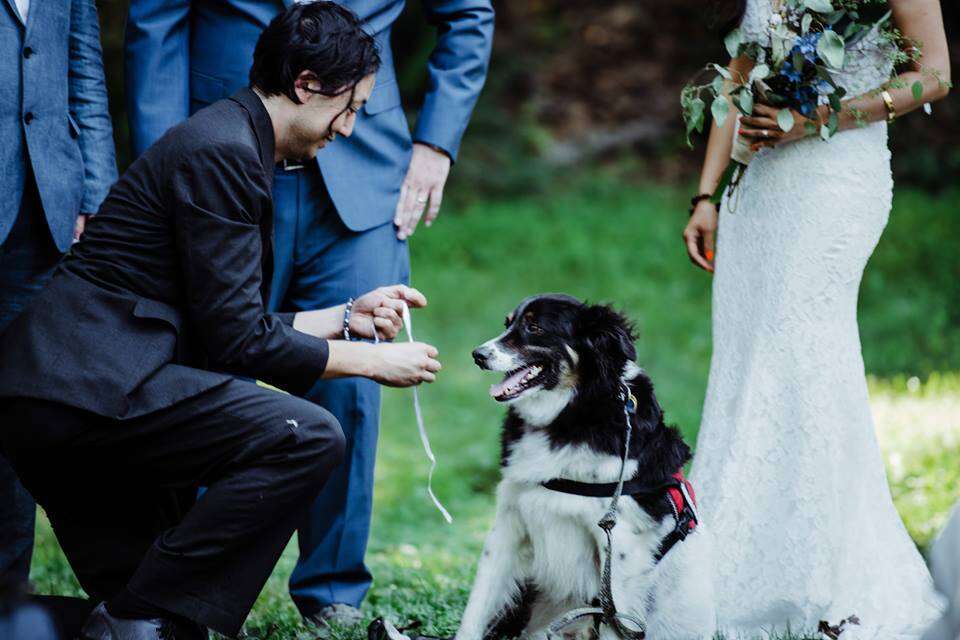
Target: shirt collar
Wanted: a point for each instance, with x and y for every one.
(262, 125)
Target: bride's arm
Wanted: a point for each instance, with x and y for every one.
(919, 21)
(699, 233)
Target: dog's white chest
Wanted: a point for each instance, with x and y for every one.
(564, 552)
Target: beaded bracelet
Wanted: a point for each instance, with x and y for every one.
(697, 199)
(348, 310)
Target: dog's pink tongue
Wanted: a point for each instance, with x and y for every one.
(498, 389)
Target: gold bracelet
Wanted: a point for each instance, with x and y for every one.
(891, 108)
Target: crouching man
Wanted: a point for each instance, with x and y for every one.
(118, 394)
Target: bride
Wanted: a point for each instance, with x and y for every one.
(787, 463)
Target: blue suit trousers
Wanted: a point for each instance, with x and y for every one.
(27, 259)
(320, 263)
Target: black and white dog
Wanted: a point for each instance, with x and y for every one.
(567, 366)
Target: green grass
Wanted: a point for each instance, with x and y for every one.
(606, 241)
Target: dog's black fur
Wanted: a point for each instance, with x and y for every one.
(541, 328)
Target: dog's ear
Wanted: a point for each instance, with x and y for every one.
(609, 336)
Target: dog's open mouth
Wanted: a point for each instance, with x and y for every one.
(516, 382)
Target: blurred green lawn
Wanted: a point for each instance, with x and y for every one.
(603, 240)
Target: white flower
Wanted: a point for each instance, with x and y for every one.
(776, 20)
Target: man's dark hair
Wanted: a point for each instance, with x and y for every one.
(321, 37)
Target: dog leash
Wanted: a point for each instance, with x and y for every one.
(424, 439)
(607, 610)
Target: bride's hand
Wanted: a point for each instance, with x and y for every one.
(700, 233)
(762, 129)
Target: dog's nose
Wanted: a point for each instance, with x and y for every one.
(480, 356)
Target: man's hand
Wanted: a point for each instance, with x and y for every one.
(383, 308)
(79, 227)
(426, 177)
(405, 364)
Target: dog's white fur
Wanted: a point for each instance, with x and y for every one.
(552, 539)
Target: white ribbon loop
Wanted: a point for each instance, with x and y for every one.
(408, 325)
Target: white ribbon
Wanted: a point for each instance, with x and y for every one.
(408, 326)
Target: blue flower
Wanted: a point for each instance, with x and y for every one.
(789, 72)
(807, 45)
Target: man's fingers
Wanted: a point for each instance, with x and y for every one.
(389, 315)
(416, 212)
(399, 211)
(413, 297)
(433, 365)
(426, 376)
(436, 197)
(431, 351)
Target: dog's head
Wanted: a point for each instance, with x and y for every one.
(556, 343)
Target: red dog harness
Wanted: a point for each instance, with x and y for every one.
(677, 493)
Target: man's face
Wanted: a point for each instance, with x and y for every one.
(320, 119)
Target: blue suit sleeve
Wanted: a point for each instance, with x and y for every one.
(156, 69)
(88, 105)
(457, 69)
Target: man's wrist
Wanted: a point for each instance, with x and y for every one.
(434, 147)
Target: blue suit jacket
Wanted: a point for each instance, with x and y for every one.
(182, 55)
(53, 113)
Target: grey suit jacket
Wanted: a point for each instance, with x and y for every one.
(53, 113)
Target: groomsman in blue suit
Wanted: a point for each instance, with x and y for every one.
(341, 222)
(56, 166)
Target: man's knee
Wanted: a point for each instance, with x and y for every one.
(321, 445)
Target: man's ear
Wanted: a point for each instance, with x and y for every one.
(301, 86)
(608, 334)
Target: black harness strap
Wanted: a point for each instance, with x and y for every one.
(637, 487)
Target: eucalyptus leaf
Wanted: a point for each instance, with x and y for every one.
(917, 89)
(720, 108)
(824, 132)
(806, 22)
(723, 71)
(759, 72)
(746, 103)
(785, 119)
(835, 103)
(810, 128)
(833, 123)
(717, 84)
(820, 6)
(732, 41)
(831, 49)
(694, 115)
(835, 17)
(798, 62)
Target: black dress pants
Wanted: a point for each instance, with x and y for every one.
(121, 494)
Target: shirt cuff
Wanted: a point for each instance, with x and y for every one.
(286, 317)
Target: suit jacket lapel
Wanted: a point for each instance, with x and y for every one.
(16, 12)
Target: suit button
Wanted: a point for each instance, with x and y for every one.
(27, 52)
(28, 117)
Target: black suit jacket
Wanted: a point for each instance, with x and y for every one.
(164, 296)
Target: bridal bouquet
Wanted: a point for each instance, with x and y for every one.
(793, 72)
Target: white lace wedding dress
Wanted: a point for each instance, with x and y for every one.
(787, 465)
